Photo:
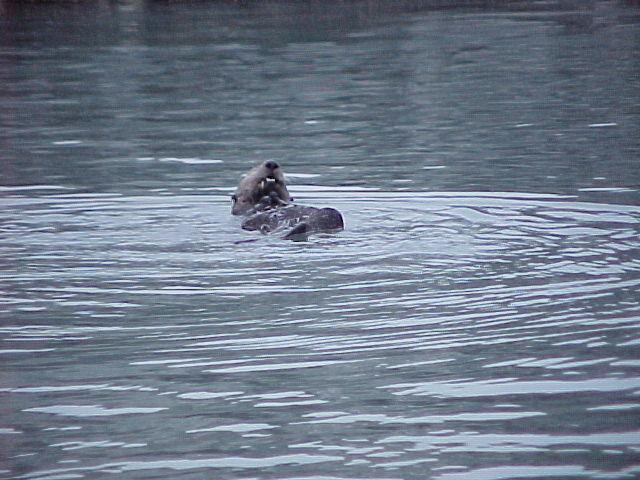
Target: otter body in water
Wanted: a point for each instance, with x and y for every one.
(263, 197)
(296, 221)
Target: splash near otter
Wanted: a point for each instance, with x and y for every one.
(262, 196)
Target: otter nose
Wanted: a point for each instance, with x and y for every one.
(271, 165)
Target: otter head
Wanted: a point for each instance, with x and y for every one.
(263, 180)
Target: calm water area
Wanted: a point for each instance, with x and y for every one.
(478, 318)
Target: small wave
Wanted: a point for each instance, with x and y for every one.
(208, 395)
(19, 188)
(187, 160)
(496, 388)
(181, 463)
(236, 428)
(278, 366)
(91, 410)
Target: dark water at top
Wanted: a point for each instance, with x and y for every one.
(479, 318)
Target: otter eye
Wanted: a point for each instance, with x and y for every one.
(234, 199)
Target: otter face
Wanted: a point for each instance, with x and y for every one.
(263, 180)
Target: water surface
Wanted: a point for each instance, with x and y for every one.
(478, 318)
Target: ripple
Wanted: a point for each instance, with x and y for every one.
(101, 444)
(424, 420)
(236, 428)
(16, 188)
(514, 387)
(621, 407)
(91, 410)
(55, 389)
(524, 442)
(25, 350)
(279, 366)
(524, 301)
(188, 161)
(293, 403)
(9, 431)
(194, 464)
(207, 395)
(518, 471)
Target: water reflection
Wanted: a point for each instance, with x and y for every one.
(490, 104)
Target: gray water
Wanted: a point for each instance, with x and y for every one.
(477, 319)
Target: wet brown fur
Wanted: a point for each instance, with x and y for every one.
(260, 181)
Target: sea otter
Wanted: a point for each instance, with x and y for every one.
(259, 182)
(262, 195)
